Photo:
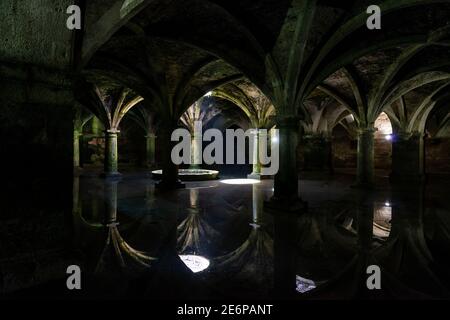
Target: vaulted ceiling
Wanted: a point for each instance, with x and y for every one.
(173, 52)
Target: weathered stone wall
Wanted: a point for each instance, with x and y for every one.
(35, 85)
(35, 32)
(344, 153)
(383, 154)
(36, 129)
(437, 153)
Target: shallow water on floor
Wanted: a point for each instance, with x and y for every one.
(218, 240)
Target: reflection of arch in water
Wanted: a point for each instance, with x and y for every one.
(251, 264)
(194, 233)
(406, 253)
(121, 252)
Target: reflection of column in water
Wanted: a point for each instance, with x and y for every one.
(257, 203)
(95, 212)
(285, 229)
(111, 190)
(76, 208)
(150, 195)
(365, 211)
(193, 197)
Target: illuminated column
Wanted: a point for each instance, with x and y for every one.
(96, 126)
(196, 146)
(150, 147)
(111, 153)
(408, 157)
(76, 149)
(365, 156)
(256, 172)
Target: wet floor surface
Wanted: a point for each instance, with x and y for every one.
(217, 240)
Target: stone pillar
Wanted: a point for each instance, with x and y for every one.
(256, 171)
(150, 147)
(365, 156)
(286, 195)
(408, 158)
(96, 126)
(196, 147)
(317, 153)
(169, 180)
(76, 149)
(111, 154)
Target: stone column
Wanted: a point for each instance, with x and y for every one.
(365, 157)
(408, 158)
(96, 126)
(286, 195)
(317, 153)
(169, 180)
(196, 147)
(111, 154)
(76, 149)
(256, 171)
(150, 147)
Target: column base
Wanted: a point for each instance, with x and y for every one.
(258, 176)
(168, 186)
(111, 175)
(286, 205)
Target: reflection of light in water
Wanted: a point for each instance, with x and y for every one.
(382, 220)
(304, 285)
(240, 181)
(195, 263)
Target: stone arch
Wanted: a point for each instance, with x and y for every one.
(106, 24)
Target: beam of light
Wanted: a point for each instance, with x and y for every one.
(240, 181)
(195, 263)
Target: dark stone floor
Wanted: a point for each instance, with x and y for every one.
(128, 239)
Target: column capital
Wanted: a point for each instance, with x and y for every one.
(364, 131)
(405, 135)
(316, 136)
(112, 131)
(151, 135)
(77, 133)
